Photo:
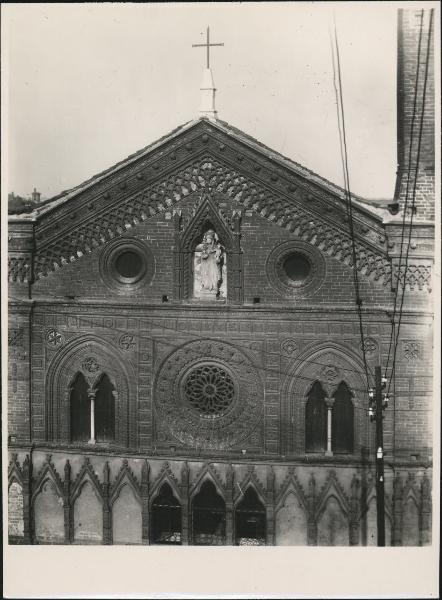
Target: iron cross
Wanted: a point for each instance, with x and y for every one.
(207, 45)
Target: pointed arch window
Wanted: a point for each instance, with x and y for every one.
(250, 520)
(342, 421)
(166, 518)
(316, 419)
(208, 517)
(92, 411)
(80, 412)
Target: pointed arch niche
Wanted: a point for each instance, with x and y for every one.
(250, 520)
(336, 371)
(165, 514)
(88, 381)
(188, 236)
(208, 516)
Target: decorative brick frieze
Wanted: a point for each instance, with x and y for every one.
(207, 175)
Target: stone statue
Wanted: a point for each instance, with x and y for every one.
(209, 262)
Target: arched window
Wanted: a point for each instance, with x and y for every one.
(104, 410)
(80, 410)
(208, 517)
(316, 420)
(342, 421)
(166, 518)
(250, 520)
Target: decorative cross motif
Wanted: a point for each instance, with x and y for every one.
(207, 45)
(370, 346)
(289, 347)
(411, 349)
(126, 341)
(54, 338)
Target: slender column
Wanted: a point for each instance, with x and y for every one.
(329, 403)
(230, 537)
(27, 495)
(145, 471)
(270, 508)
(185, 472)
(91, 395)
(312, 530)
(397, 510)
(426, 512)
(66, 503)
(107, 517)
(354, 512)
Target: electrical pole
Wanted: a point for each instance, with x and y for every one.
(378, 402)
(380, 499)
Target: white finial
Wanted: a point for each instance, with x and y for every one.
(208, 89)
(207, 107)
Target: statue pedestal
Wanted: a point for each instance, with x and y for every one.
(206, 295)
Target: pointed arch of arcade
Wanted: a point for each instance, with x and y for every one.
(306, 370)
(206, 217)
(113, 379)
(165, 514)
(250, 517)
(208, 513)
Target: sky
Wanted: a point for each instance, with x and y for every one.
(89, 84)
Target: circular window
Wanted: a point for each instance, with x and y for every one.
(126, 264)
(129, 265)
(296, 267)
(209, 390)
(213, 402)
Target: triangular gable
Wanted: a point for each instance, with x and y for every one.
(206, 158)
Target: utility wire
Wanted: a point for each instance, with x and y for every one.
(421, 126)
(410, 151)
(344, 155)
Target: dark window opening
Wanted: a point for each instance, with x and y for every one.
(129, 264)
(105, 411)
(208, 517)
(342, 421)
(316, 420)
(296, 267)
(80, 410)
(166, 518)
(250, 520)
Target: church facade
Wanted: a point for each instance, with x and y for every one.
(185, 359)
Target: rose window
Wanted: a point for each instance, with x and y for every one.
(209, 390)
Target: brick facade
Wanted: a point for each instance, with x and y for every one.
(272, 339)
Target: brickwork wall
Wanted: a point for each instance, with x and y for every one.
(282, 344)
(412, 64)
(19, 372)
(82, 278)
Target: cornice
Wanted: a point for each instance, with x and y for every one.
(273, 311)
(344, 462)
